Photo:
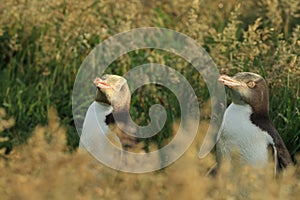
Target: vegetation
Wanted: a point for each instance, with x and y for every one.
(43, 170)
(42, 45)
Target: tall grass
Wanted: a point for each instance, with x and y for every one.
(42, 45)
(43, 170)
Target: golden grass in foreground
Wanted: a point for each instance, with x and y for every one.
(44, 170)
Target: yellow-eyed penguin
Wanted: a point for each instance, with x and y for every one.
(246, 129)
(100, 134)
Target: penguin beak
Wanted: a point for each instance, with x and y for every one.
(229, 81)
(101, 84)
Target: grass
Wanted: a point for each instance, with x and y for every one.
(43, 170)
(41, 53)
(39, 61)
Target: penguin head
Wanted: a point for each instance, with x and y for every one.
(248, 88)
(113, 90)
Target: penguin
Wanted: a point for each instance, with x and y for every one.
(113, 90)
(100, 134)
(247, 131)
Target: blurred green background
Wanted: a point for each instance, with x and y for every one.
(43, 43)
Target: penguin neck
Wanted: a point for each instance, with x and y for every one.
(121, 114)
(261, 119)
(260, 110)
(239, 109)
(256, 116)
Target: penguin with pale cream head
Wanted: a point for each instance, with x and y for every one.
(246, 128)
(112, 101)
(107, 124)
(113, 90)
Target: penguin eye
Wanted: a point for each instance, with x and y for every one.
(251, 84)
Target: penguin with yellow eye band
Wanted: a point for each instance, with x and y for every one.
(246, 128)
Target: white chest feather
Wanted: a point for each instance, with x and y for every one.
(96, 136)
(239, 135)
